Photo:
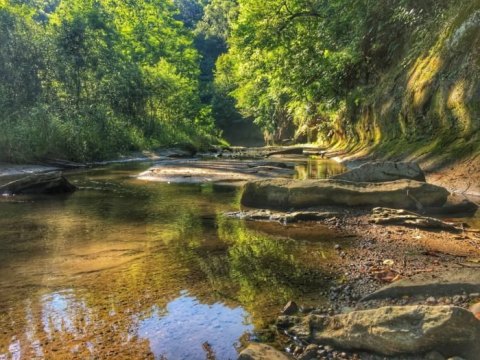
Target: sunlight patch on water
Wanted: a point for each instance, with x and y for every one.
(186, 326)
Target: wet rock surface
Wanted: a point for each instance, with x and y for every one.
(381, 171)
(291, 194)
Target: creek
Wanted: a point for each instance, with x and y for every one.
(125, 268)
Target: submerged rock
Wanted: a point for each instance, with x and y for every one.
(397, 330)
(295, 194)
(42, 183)
(283, 217)
(256, 351)
(380, 171)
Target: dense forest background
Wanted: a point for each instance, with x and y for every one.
(89, 79)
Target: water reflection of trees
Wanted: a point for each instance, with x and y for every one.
(233, 263)
(318, 169)
(186, 244)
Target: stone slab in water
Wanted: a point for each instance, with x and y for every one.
(432, 284)
(283, 217)
(294, 194)
(213, 171)
(397, 330)
(380, 171)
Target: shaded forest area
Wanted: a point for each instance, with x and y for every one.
(91, 79)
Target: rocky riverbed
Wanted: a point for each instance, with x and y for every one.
(405, 272)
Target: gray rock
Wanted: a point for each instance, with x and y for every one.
(432, 284)
(296, 194)
(397, 330)
(380, 171)
(195, 171)
(290, 309)
(256, 351)
(282, 217)
(42, 183)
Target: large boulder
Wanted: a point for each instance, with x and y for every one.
(397, 330)
(380, 171)
(256, 351)
(42, 183)
(295, 194)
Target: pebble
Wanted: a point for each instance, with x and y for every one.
(291, 308)
(431, 300)
(475, 309)
(328, 348)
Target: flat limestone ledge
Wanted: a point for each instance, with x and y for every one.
(432, 284)
(288, 194)
(395, 330)
(194, 171)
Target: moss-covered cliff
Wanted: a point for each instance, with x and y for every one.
(426, 104)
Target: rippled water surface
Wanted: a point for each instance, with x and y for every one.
(125, 269)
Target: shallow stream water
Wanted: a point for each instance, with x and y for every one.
(127, 269)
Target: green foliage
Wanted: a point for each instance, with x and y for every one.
(89, 79)
(309, 63)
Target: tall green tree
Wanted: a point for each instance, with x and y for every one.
(97, 77)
